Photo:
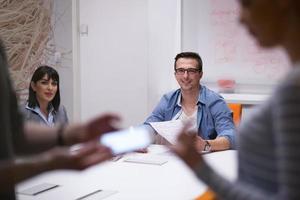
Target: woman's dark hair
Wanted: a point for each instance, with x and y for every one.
(39, 73)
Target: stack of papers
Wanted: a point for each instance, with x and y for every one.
(168, 129)
(146, 160)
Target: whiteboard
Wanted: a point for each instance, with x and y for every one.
(211, 28)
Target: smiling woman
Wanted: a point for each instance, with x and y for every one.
(43, 104)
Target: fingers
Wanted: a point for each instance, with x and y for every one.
(79, 157)
(200, 143)
(177, 149)
(84, 150)
(144, 150)
(187, 138)
(99, 155)
(187, 130)
(104, 123)
(185, 148)
(89, 155)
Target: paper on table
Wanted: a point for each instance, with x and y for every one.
(168, 129)
(38, 189)
(97, 195)
(146, 160)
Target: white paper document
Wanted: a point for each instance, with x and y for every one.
(37, 189)
(168, 129)
(97, 195)
(146, 160)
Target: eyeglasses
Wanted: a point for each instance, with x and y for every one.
(191, 71)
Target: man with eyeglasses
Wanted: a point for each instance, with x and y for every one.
(205, 109)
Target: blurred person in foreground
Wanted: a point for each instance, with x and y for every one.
(268, 143)
(28, 149)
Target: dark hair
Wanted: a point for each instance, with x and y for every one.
(39, 73)
(191, 55)
(2, 53)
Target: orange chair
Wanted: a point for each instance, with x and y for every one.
(207, 195)
(236, 109)
(237, 115)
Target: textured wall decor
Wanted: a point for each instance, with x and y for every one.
(26, 29)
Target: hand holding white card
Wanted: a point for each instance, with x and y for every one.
(127, 140)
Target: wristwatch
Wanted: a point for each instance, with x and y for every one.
(207, 146)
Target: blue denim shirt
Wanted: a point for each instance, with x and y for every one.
(214, 118)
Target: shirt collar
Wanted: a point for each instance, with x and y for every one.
(202, 95)
(36, 109)
(201, 98)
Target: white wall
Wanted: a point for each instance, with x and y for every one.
(212, 29)
(126, 59)
(62, 20)
(113, 65)
(164, 43)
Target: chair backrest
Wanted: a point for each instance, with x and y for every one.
(207, 195)
(236, 109)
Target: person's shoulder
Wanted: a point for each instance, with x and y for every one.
(293, 77)
(210, 95)
(61, 114)
(62, 109)
(171, 94)
(288, 86)
(28, 113)
(23, 108)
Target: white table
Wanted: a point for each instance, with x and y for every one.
(132, 181)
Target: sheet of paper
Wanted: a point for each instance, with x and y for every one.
(168, 129)
(116, 158)
(35, 190)
(97, 195)
(145, 160)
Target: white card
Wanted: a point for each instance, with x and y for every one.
(97, 195)
(35, 190)
(151, 161)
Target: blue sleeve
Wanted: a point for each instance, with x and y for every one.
(158, 114)
(223, 121)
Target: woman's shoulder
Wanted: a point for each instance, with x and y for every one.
(61, 114)
(28, 113)
(23, 108)
(61, 108)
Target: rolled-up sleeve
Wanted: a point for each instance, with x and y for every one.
(223, 121)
